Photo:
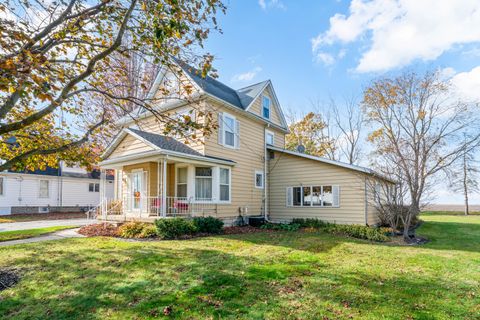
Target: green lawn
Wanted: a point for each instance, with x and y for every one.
(283, 275)
(23, 234)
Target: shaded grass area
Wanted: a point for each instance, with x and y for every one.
(281, 275)
(30, 233)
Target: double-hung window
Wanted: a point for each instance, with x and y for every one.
(182, 182)
(266, 107)
(224, 184)
(229, 130)
(313, 196)
(1, 186)
(43, 189)
(203, 183)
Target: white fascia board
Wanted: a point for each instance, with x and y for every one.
(157, 154)
(268, 83)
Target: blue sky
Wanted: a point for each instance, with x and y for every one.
(314, 50)
(273, 40)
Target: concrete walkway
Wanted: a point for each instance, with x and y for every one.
(62, 234)
(27, 225)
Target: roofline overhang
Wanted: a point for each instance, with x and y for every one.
(364, 170)
(162, 153)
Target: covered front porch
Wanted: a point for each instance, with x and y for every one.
(159, 177)
(166, 187)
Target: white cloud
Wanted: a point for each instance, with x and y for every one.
(325, 58)
(246, 76)
(467, 84)
(401, 31)
(274, 4)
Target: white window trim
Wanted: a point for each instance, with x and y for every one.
(257, 172)
(290, 189)
(229, 186)
(48, 189)
(269, 107)
(212, 200)
(94, 184)
(234, 130)
(267, 132)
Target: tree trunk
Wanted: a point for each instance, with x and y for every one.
(465, 183)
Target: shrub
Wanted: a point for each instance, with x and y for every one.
(137, 229)
(281, 226)
(175, 228)
(208, 225)
(309, 223)
(352, 230)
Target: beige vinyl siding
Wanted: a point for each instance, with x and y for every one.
(151, 169)
(248, 158)
(154, 125)
(128, 146)
(289, 171)
(279, 140)
(256, 107)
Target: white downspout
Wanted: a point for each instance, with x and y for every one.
(265, 175)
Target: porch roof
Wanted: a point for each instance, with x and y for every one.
(161, 146)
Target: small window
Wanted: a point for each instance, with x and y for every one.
(224, 184)
(266, 107)
(259, 179)
(182, 182)
(1, 186)
(269, 138)
(43, 191)
(94, 187)
(229, 130)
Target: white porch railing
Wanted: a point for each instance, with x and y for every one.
(143, 207)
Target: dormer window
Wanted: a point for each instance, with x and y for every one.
(266, 107)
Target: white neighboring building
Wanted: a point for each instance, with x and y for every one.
(67, 189)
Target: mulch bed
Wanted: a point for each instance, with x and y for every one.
(99, 230)
(8, 278)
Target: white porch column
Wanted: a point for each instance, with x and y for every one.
(103, 204)
(159, 185)
(191, 182)
(164, 189)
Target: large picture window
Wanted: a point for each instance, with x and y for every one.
(224, 184)
(313, 196)
(203, 183)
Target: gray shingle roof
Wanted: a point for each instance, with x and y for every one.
(249, 93)
(213, 87)
(166, 143)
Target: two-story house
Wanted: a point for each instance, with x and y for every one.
(242, 169)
